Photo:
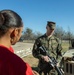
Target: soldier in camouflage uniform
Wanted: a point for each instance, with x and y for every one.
(53, 46)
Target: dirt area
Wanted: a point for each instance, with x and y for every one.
(33, 62)
(22, 46)
(29, 59)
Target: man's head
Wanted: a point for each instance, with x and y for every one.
(50, 27)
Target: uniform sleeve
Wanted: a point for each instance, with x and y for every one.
(59, 47)
(35, 51)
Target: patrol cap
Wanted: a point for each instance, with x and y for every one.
(51, 24)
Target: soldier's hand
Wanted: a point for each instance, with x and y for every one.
(58, 64)
(35, 73)
(45, 58)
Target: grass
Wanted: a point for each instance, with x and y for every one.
(65, 46)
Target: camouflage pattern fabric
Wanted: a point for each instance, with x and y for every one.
(53, 46)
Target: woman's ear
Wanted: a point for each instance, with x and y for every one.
(12, 36)
(14, 33)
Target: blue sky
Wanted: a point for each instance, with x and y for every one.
(36, 13)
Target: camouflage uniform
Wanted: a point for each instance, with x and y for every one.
(53, 46)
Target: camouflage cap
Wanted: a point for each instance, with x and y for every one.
(51, 24)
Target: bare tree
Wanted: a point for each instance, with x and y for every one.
(59, 32)
(28, 34)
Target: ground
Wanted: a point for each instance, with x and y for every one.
(29, 58)
(33, 62)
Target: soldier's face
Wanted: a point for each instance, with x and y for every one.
(49, 31)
